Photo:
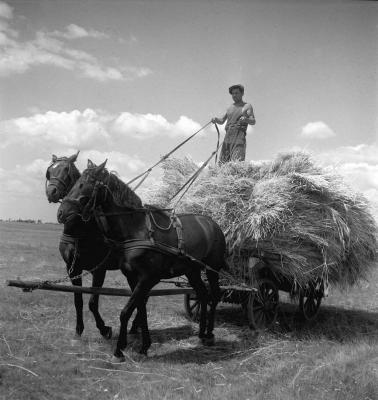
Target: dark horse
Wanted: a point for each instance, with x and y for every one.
(153, 247)
(82, 245)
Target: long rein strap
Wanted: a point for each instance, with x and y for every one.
(145, 174)
(191, 180)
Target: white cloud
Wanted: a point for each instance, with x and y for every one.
(48, 49)
(6, 11)
(362, 153)
(144, 126)
(124, 164)
(90, 129)
(359, 166)
(74, 31)
(99, 73)
(75, 128)
(317, 130)
(360, 175)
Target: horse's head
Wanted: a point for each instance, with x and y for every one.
(86, 193)
(61, 175)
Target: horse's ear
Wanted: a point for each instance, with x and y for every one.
(54, 158)
(91, 164)
(101, 167)
(73, 158)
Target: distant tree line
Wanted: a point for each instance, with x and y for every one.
(28, 221)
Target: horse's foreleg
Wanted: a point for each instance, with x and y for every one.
(215, 294)
(135, 324)
(137, 299)
(98, 278)
(78, 299)
(198, 285)
(143, 323)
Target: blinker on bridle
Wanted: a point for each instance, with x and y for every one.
(52, 181)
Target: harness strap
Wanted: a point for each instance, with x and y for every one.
(140, 244)
(150, 228)
(176, 223)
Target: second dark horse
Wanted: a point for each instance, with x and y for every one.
(150, 244)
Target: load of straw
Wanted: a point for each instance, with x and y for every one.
(289, 207)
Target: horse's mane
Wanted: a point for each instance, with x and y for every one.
(75, 171)
(123, 196)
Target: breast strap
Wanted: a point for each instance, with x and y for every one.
(175, 222)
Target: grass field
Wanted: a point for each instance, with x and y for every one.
(334, 357)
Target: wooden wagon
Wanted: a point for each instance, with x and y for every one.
(259, 296)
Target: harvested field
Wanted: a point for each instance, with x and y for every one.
(334, 357)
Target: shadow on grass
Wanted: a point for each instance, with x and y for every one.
(200, 354)
(332, 323)
(177, 333)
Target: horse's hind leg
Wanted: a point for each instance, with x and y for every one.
(215, 294)
(194, 278)
(98, 278)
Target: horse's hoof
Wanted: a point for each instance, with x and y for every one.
(143, 351)
(117, 360)
(79, 331)
(118, 356)
(208, 341)
(107, 332)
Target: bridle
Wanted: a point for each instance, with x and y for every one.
(90, 206)
(58, 182)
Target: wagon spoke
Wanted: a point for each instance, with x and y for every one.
(272, 297)
(195, 305)
(258, 307)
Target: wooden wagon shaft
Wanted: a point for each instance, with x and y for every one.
(31, 285)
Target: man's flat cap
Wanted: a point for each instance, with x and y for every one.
(240, 87)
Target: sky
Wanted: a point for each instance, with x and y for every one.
(129, 80)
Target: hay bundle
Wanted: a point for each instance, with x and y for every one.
(288, 207)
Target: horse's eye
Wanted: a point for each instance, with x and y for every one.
(80, 186)
(83, 200)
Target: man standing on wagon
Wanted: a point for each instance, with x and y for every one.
(239, 115)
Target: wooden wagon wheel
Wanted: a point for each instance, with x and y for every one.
(262, 305)
(192, 307)
(309, 303)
